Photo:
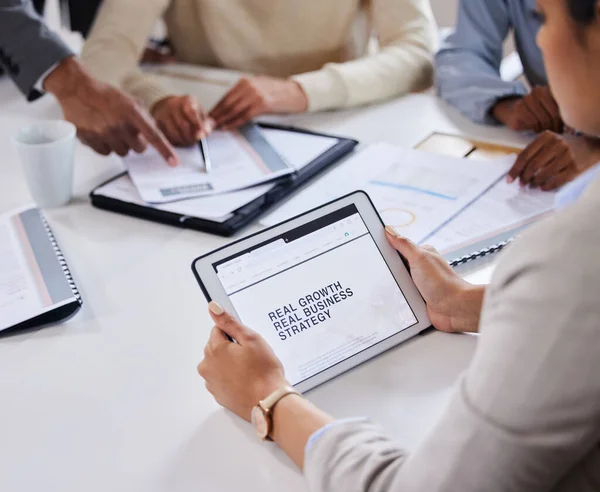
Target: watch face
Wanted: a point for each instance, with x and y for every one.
(260, 422)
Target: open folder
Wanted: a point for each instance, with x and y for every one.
(307, 153)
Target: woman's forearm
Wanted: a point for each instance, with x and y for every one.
(295, 419)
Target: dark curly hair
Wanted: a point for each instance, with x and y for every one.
(583, 11)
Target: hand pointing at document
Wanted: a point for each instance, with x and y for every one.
(106, 119)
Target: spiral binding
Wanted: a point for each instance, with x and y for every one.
(61, 259)
(481, 253)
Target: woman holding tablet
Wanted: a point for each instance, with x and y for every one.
(526, 414)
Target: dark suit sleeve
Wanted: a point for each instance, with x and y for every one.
(28, 49)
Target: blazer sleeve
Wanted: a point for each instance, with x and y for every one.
(468, 63)
(28, 49)
(407, 36)
(526, 415)
(116, 43)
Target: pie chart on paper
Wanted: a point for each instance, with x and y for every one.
(398, 217)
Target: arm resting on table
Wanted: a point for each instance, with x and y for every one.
(408, 38)
(468, 64)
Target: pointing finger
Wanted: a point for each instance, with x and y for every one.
(153, 135)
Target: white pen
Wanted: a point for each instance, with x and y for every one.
(205, 154)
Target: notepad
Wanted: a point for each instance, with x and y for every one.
(36, 286)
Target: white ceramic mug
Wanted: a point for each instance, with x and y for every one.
(47, 151)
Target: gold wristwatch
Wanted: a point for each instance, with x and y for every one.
(262, 414)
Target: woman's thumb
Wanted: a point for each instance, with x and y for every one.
(404, 246)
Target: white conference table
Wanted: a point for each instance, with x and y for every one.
(111, 401)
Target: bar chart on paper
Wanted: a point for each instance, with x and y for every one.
(416, 192)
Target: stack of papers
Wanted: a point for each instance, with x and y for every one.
(241, 159)
(416, 192)
(447, 202)
(503, 208)
(239, 175)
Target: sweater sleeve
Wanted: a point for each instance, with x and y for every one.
(116, 43)
(526, 414)
(408, 38)
(468, 63)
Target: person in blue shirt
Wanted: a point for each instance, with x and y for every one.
(468, 77)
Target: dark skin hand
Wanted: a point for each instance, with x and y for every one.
(158, 55)
(106, 119)
(182, 120)
(553, 160)
(253, 96)
(536, 112)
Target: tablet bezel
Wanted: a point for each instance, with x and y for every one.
(211, 286)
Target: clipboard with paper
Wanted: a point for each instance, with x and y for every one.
(305, 153)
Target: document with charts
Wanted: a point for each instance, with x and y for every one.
(505, 207)
(240, 159)
(414, 191)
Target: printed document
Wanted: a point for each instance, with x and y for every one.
(240, 159)
(217, 208)
(297, 148)
(24, 292)
(503, 208)
(416, 192)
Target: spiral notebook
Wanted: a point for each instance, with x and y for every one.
(36, 285)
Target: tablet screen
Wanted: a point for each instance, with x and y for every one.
(319, 294)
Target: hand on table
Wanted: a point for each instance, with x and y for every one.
(254, 96)
(552, 160)
(240, 374)
(182, 120)
(537, 111)
(453, 305)
(106, 119)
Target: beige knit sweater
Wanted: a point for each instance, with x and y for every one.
(315, 41)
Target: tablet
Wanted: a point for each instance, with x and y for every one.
(325, 289)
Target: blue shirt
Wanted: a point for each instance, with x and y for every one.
(571, 192)
(468, 64)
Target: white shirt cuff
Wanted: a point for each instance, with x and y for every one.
(39, 85)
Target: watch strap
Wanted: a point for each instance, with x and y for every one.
(270, 401)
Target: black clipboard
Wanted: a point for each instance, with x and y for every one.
(245, 215)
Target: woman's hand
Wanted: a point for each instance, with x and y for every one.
(453, 305)
(182, 120)
(240, 374)
(254, 96)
